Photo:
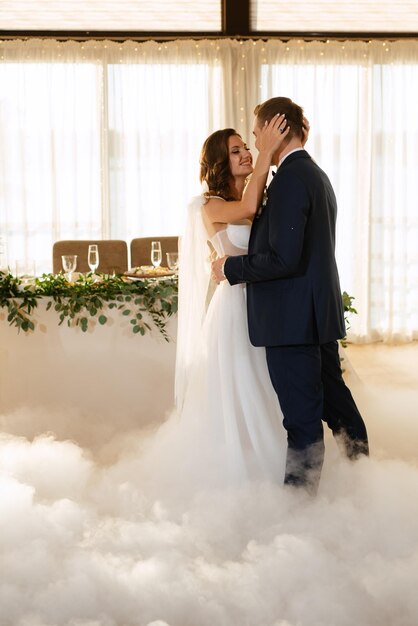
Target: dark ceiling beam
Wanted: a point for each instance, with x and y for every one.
(108, 34)
(323, 35)
(169, 36)
(236, 18)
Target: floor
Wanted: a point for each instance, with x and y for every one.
(83, 546)
(384, 381)
(380, 364)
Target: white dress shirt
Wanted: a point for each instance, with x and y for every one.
(288, 154)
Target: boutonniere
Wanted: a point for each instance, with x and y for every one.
(263, 203)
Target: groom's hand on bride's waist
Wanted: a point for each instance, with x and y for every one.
(218, 269)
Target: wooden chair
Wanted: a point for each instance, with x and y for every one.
(113, 255)
(141, 249)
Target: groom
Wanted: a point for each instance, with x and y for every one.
(294, 302)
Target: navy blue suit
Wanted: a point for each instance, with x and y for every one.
(295, 310)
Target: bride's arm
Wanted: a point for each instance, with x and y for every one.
(219, 211)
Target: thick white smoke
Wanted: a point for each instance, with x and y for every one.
(82, 543)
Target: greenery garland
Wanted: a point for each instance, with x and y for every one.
(80, 302)
(348, 310)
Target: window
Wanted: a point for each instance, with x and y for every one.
(109, 15)
(334, 16)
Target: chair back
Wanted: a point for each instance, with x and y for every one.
(141, 249)
(113, 255)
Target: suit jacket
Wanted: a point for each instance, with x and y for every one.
(294, 294)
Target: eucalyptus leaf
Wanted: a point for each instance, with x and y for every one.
(84, 324)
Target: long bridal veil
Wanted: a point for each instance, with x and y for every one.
(194, 279)
(183, 457)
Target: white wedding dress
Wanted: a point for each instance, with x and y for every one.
(228, 429)
(242, 404)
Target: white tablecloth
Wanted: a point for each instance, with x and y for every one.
(107, 370)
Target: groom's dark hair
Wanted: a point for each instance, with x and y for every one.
(294, 114)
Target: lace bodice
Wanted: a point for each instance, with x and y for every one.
(232, 240)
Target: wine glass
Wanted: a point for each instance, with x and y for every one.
(69, 264)
(93, 257)
(25, 270)
(156, 253)
(172, 260)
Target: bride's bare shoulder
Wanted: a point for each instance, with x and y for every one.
(213, 201)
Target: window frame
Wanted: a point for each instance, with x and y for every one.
(236, 23)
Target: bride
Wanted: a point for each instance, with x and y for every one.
(227, 429)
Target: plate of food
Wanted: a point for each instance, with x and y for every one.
(148, 271)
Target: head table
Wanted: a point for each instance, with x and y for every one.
(101, 368)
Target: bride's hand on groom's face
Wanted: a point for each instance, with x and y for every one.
(273, 133)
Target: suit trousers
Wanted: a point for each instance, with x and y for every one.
(310, 387)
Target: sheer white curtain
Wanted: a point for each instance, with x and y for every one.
(361, 99)
(160, 109)
(101, 139)
(50, 141)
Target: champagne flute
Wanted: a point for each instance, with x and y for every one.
(25, 270)
(156, 253)
(93, 257)
(172, 260)
(69, 264)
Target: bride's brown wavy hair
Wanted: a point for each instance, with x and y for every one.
(214, 165)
